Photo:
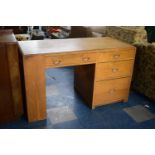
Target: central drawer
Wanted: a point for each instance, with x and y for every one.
(112, 70)
(70, 59)
(111, 90)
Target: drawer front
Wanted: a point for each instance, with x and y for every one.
(116, 55)
(112, 70)
(70, 59)
(111, 90)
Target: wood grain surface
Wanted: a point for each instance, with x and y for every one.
(103, 70)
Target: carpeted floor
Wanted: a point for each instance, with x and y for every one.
(66, 110)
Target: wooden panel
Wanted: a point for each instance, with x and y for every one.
(116, 55)
(15, 78)
(70, 59)
(21, 68)
(112, 70)
(84, 82)
(35, 88)
(111, 91)
(6, 102)
(10, 86)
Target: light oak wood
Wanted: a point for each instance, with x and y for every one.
(109, 91)
(35, 87)
(35, 47)
(116, 55)
(59, 60)
(90, 56)
(111, 70)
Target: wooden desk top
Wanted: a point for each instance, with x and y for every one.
(7, 36)
(69, 45)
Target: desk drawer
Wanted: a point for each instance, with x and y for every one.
(112, 70)
(111, 90)
(117, 55)
(70, 59)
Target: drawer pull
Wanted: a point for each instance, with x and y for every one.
(56, 62)
(85, 59)
(116, 56)
(114, 70)
(112, 91)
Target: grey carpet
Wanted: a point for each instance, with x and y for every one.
(139, 113)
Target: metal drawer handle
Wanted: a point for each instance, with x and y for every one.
(56, 62)
(114, 70)
(116, 56)
(85, 58)
(112, 91)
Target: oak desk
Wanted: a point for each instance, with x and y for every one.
(103, 70)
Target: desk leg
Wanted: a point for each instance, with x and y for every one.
(35, 88)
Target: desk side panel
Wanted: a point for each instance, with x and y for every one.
(35, 87)
(6, 102)
(13, 61)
